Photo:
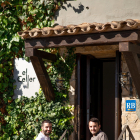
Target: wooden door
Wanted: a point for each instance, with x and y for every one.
(87, 67)
(93, 91)
(80, 102)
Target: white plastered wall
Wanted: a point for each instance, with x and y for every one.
(101, 11)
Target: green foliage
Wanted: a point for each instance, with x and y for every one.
(20, 119)
(62, 69)
(26, 115)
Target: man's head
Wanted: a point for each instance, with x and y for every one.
(94, 126)
(46, 127)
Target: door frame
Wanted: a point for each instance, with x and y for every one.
(78, 93)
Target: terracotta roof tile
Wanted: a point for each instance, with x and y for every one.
(83, 28)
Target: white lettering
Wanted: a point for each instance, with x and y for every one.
(132, 105)
(128, 105)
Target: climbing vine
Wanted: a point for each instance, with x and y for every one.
(21, 118)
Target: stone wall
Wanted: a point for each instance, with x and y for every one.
(130, 118)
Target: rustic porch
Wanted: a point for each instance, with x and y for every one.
(123, 36)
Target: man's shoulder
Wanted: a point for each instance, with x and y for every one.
(40, 137)
(100, 136)
(102, 133)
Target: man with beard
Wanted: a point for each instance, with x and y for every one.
(94, 127)
(46, 130)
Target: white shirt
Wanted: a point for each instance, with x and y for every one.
(41, 136)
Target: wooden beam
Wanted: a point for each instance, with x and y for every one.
(84, 39)
(43, 77)
(129, 47)
(42, 54)
(133, 64)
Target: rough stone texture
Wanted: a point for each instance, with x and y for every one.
(138, 108)
(130, 118)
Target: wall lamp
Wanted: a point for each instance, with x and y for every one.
(126, 82)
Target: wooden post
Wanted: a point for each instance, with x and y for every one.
(36, 57)
(78, 95)
(117, 97)
(130, 52)
(43, 77)
(88, 98)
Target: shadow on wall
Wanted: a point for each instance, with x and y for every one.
(21, 80)
(17, 92)
(78, 10)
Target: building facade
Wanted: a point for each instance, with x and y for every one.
(90, 11)
(107, 47)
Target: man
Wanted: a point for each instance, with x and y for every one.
(94, 127)
(46, 130)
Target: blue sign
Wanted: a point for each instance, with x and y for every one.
(130, 105)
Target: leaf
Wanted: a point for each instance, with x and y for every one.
(5, 85)
(30, 7)
(5, 99)
(52, 22)
(41, 25)
(1, 75)
(49, 23)
(34, 11)
(37, 26)
(9, 45)
(15, 49)
(65, 95)
(40, 108)
(45, 23)
(2, 53)
(15, 38)
(59, 3)
(5, 21)
(1, 32)
(48, 11)
(24, 7)
(29, 1)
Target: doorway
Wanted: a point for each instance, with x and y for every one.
(102, 95)
(97, 94)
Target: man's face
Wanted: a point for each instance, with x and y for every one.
(94, 128)
(47, 129)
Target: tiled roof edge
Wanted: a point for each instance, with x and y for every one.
(84, 28)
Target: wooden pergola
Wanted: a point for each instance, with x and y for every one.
(124, 33)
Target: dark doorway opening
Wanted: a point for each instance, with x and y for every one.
(102, 104)
(101, 96)
(108, 116)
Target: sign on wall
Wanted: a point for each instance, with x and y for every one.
(26, 80)
(130, 105)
